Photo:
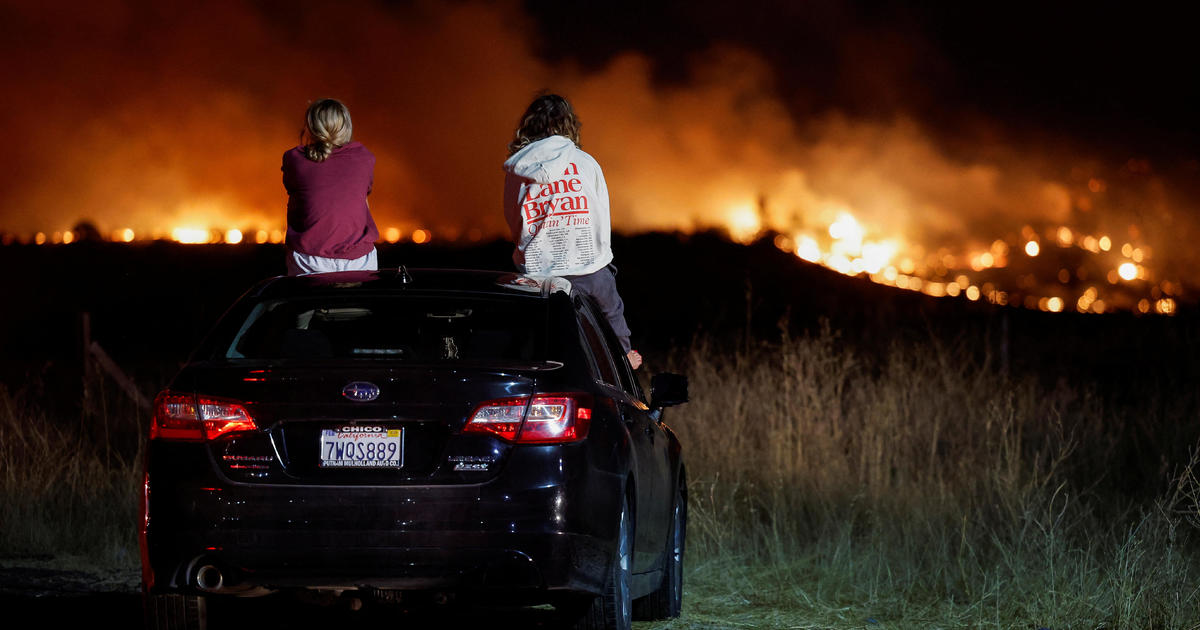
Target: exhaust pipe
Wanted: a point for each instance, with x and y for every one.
(208, 578)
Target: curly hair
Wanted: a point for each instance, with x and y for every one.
(326, 127)
(548, 115)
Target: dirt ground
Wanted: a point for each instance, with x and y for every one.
(62, 598)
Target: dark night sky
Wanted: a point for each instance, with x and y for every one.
(1118, 76)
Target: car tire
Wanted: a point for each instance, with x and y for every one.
(613, 608)
(667, 601)
(175, 612)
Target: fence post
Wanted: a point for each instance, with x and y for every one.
(93, 352)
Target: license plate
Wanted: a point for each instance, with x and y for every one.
(362, 447)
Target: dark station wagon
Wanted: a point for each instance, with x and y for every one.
(381, 434)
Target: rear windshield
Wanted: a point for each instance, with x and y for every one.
(397, 328)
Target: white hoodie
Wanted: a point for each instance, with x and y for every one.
(556, 205)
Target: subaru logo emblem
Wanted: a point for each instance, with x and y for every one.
(361, 391)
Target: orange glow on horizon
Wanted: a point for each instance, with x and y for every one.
(852, 247)
(191, 235)
(744, 223)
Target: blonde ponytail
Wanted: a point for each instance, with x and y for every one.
(326, 127)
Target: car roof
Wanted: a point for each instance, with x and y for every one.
(412, 280)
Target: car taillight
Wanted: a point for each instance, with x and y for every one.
(543, 419)
(184, 417)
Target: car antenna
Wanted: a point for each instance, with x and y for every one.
(404, 277)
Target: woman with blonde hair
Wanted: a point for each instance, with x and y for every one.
(327, 178)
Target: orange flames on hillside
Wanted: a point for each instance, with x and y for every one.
(1107, 276)
(973, 275)
(192, 235)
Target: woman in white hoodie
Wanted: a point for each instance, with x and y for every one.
(556, 205)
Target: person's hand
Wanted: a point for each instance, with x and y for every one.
(635, 359)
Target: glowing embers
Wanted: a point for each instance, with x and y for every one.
(194, 235)
(807, 248)
(744, 223)
(1051, 304)
(1053, 264)
(1065, 237)
(191, 235)
(1090, 302)
(197, 233)
(848, 251)
(995, 257)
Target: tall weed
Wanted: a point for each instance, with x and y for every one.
(925, 487)
(70, 485)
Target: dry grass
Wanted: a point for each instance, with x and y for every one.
(916, 488)
(70, 486)
(922, 489)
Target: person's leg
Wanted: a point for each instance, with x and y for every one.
(368, 262)
(602, 285)
(300, 264)
(303, 264)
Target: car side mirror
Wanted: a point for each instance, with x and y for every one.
(667, 390)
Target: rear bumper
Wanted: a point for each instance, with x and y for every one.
(453, 561)
(494, 536)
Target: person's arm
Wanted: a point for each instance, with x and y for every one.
(602, 193)
(604, 213)
(512, 206)
(370, 173)
(287, 176)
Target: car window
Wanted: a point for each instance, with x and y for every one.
(624, 373)
(606, 373)
(397, 328)
(628, 382)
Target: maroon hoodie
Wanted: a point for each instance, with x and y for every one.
(327, 211)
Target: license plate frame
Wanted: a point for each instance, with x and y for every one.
(361, 447)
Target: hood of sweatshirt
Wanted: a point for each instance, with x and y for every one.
(543, 161)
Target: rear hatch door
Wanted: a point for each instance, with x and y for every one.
(361, 424)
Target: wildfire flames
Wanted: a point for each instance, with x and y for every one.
(1120, 275)
(193, 155)
(1107, 277)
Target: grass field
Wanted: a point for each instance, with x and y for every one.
(915, 487)
(924, 489)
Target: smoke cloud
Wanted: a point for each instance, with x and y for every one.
(142, 115)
